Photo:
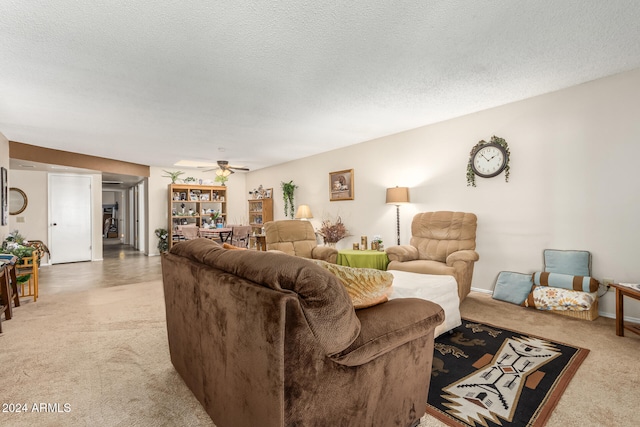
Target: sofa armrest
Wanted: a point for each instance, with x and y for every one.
(387, 326)
(325, 253)
(466, 255)
(402, 253)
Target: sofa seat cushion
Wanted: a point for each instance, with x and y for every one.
(441, 289)
(382, 332)
(366, 286)
(422, 266)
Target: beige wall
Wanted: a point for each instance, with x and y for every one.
(573, 183)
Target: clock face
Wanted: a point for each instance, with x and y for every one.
(489, 161)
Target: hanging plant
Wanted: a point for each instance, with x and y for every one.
(471, 175)
(287, 195)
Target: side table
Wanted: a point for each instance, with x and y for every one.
(621, 292)
(362, 259)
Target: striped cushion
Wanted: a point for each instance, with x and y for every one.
(566, 281)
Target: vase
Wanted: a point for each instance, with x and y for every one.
(330, 244)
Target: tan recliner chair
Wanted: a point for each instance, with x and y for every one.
(441, 243)
(295, 237)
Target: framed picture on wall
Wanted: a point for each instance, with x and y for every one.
(341, 185)
(4, 199)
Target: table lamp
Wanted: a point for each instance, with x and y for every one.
(304, 212)
(397, 196)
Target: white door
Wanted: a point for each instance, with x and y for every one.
(69, 218)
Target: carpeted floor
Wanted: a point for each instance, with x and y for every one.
(100, 358)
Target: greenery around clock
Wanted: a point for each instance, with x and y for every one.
(471, 176)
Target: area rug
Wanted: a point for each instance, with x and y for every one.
(484, 375)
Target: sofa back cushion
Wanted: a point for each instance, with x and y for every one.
(438, 234)
(324, 300)
(292, 237)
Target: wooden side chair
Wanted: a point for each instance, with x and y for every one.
(28, 268)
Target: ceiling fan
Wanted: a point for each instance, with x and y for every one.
(223, 165)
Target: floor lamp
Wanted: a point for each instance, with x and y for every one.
(397, 196)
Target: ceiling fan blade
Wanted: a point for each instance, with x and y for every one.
(238, 168)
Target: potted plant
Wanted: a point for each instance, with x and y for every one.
(221, 179)
(163, 242)
(173, 175)
(332, 232)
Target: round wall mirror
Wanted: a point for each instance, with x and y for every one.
(17, 201)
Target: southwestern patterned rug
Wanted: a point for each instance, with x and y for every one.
(488, 376)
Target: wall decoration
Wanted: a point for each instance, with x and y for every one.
(488, 159)
(4, 200)
(341, 185)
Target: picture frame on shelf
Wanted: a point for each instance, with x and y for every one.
(204, 197)
(267, 194)
(341, 185)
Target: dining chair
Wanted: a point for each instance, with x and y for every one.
(241, 235)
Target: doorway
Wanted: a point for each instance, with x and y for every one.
(70, 225)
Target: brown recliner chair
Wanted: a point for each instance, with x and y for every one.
(266, 339)
(442, 242)
(295, 237)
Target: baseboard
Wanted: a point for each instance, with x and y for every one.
(600, 313)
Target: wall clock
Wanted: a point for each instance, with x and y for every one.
(488, 159)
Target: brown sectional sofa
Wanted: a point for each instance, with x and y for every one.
(268, 339)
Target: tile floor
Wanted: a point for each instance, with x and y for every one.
(121, 265)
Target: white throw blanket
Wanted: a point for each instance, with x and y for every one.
(442, 290)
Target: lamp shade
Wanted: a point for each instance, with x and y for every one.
(397, 195)
(304, 212)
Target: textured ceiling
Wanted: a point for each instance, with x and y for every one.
(261, 82)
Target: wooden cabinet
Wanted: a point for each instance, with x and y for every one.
(260, 211)
(193, 206)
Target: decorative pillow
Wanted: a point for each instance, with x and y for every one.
(228, 246)
(366, 286)
(547, 298)
(565, 281)
(577, 263)
(512, 287)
